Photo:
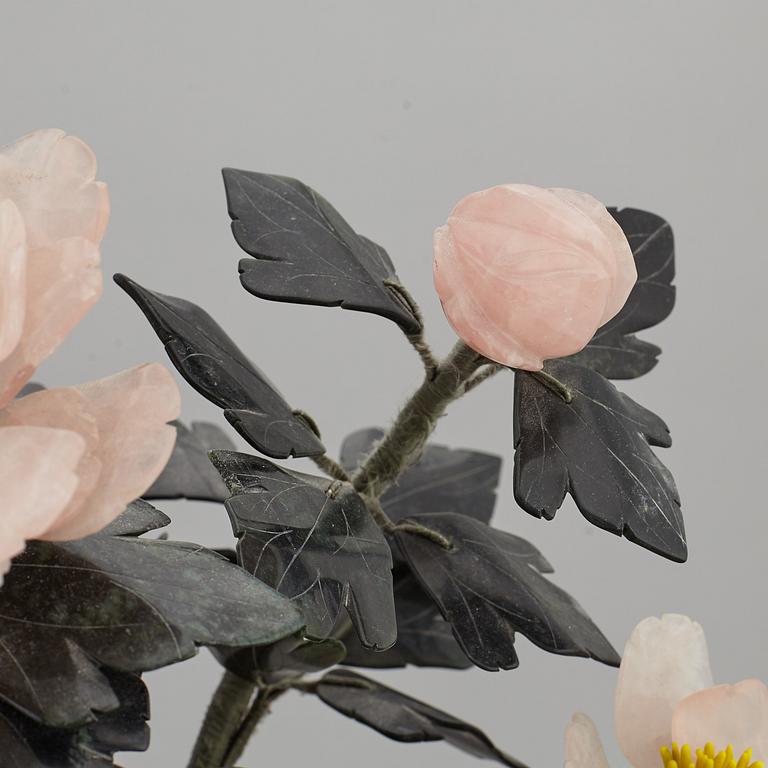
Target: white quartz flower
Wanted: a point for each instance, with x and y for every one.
(668, 712)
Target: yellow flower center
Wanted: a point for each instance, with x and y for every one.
(684, 757)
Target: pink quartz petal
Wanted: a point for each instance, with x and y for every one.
(62, 409)
(13, 277)
(726, 714)
(583, 748)
(664, 661)
(37, 480)
(63, 283)
(622, 265)
(51, 178)
(131, 410)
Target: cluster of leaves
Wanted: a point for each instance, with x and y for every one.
(315, 582)
(82, 620)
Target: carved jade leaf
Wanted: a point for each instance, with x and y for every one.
(189, 474)
(489, 585)
(289, 657)
(320, 548)
(402, 718)
(614, 350)
(598, 449)
(424, 637)
(304, 252)
(29, 744)
(117, 601)
(213, 364)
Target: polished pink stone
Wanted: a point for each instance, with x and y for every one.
(51, 178)
(726, 714)
(122, 425)
(37, 481)
(63, 282)
(66, 409)
(131, 411)
(13, 276)
(525, 274)
(71, 459)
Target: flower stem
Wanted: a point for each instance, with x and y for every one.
(324, 462)
(553, 384)
(491, 369)
(389, 526)
(258, 711)
(418, 342)
(403, 444)
(226, 711)
(331, 467)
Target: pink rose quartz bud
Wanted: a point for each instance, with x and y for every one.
(526, 274)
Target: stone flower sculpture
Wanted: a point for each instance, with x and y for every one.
(386, 556)
(668, 711)
(87, 605)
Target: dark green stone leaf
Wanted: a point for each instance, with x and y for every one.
(211, 362)
(402, 718)
(489, 586)
(25, 743)
(30, 388)
(72, 608)
(614, 351)
(444, 480)
(139, 517)
(304, 252)
(124, 729)
(424, 637)
(189, 474)
(286, 658)
(319, 548)
(597, 448)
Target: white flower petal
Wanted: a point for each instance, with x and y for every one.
(583, 748)
(664, 661)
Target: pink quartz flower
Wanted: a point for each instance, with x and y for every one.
(71, 459)
(526, 274)
(665, 695)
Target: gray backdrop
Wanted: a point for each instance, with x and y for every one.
(394, 110)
